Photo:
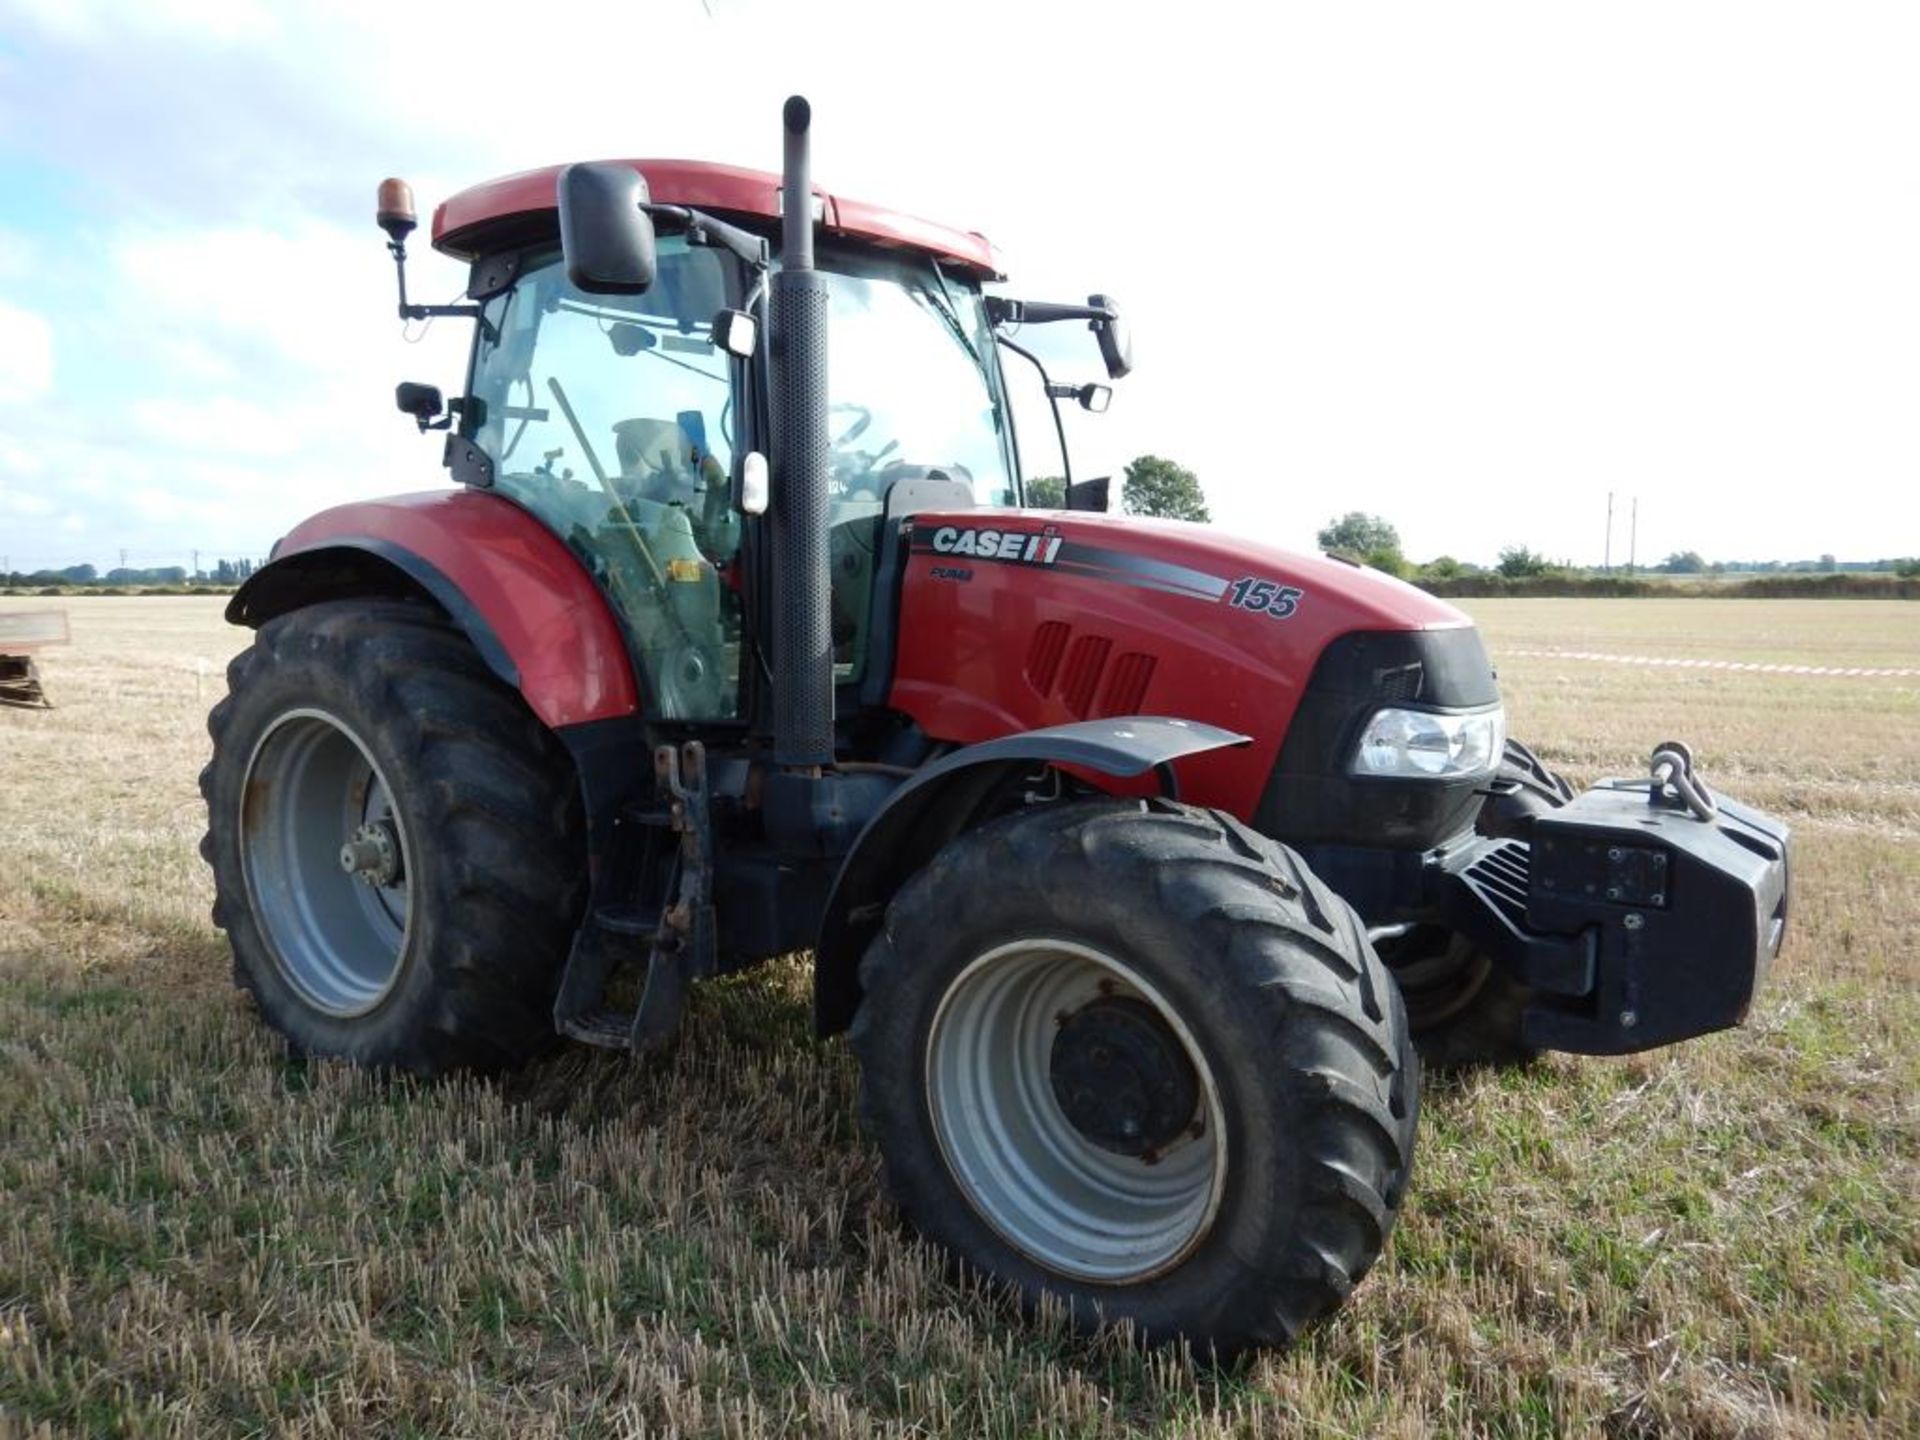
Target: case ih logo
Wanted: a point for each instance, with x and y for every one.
(1021, 547)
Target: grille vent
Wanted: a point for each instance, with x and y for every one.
(1086, 658)
(1400, 682)
(1044, 654)
(1076, 669)
(1502, 875)
(1127, 684)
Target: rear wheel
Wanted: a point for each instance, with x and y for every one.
(1137, 1058)
(396, 842)
(1463, 1007)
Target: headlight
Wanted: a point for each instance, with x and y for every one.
(1419, 745)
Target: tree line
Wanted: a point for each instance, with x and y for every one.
(222, 572)
(1153, 485)
(1373, 541)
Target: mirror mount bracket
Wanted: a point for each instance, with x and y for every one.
(398, 249)
(1004, 311)
(1053, 392)
(701, 228)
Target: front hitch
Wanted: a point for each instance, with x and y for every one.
(1640, 913)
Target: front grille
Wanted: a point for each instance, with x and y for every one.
(1401, 682)
(1501, 876)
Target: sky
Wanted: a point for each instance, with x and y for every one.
(1469, 267)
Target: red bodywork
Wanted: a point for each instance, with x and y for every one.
(1097, 616)
(1126, 617)
(460, 223)
(517, 576)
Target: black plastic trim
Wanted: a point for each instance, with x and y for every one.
(1310, 799)
(904, 498)
(613, 760)
(335, 571)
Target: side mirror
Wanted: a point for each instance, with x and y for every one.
(422, 402)
(736, 332)
(1116, 341)
(1092, 398)
(606, 236)
(1091, 494)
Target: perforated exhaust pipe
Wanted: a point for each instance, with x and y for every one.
(802, 619)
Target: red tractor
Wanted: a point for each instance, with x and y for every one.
(1138, 858)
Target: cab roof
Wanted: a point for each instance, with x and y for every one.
(472, 221)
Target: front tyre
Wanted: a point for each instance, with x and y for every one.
(1136, 1057)
(396, 842)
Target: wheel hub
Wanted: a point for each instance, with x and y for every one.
(336, 916)
(1122, 1077)
(372, 856)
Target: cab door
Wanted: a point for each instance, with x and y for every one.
(615, 420)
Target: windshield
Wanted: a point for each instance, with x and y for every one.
(910, 386)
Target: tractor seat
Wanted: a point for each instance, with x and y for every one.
(657, 461)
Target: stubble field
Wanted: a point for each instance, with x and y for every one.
(198, 1238)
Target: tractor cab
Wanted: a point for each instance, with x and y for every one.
(624, 424)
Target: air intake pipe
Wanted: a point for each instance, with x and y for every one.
(802, 621)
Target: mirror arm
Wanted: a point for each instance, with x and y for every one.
(398, 249)
(1053, 399)
(704, 229)
(1002, 311)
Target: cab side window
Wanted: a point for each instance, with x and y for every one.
(613, 419)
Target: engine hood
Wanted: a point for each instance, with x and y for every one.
(1016, 619)
(1370, 598)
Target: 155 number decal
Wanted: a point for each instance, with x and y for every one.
(1265, 596)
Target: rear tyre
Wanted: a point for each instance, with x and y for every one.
(396, 842)
(1135, 1057)
(1464, 1008)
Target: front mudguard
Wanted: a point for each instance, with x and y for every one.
(1635, 922)
(958, 791)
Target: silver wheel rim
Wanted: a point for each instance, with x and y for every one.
(314, 804)
(1063, 1201)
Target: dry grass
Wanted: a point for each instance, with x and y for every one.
(198, 1238)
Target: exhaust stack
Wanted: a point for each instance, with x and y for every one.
(802, 621)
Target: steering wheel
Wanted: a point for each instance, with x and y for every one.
(857, 428)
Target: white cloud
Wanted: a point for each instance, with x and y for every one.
(16, 459)
(96, 21)
(298, 288)
(220, 425)
(16, 255)
(26, 355)
(21, 502)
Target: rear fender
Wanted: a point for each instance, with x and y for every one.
(958, 792)
(530, 608)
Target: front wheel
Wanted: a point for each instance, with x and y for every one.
(1136, 1057)
(396, 842)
